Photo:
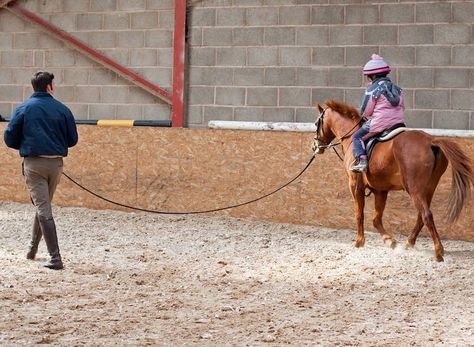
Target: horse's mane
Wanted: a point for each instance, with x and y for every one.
(343, 109)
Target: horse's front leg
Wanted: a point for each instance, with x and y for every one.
(357, 190)
(380, 202)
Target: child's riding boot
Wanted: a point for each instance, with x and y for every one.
(360, 167)
(50, 237)
(35, 239)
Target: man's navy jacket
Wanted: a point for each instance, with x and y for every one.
(41, 126)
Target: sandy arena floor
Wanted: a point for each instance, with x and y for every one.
(140, 279)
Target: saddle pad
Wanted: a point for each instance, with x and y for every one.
(391, 134)
(385, 136)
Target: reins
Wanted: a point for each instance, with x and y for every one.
(190, 212)
(337, 153)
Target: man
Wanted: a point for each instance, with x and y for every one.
(42, 129)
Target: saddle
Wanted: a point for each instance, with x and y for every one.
(384, 136)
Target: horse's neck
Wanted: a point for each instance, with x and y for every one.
(345, 129)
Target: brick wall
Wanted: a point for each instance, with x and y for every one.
(137, 34)
(259, 60)
(272, 60)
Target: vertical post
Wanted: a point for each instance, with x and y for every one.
(177, 107)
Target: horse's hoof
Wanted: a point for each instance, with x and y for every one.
(439, 258)
(359, 244)
(391, 242)
(409, 245)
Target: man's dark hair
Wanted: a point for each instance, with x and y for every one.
(41, 80)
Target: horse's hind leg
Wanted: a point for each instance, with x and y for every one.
(440, 167)
(422, 206)
(419, 220)
(414, 233)
(380, 201)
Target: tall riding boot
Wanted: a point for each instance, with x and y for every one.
(51, 238)
(35, 239)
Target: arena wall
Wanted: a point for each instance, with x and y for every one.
(259, 60)
(200, 169)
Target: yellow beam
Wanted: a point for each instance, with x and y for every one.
(116, 123)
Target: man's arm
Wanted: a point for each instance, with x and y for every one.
(13, 132)
(72, 136)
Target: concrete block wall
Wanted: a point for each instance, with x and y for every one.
(272, 60)
(137, 34)
(258, 60)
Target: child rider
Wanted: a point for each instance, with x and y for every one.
(382, 106)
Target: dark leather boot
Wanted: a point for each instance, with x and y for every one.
(35, 239)
(51, 239)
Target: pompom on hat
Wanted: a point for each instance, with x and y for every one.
(376, 65)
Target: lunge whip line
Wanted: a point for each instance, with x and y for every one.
(190, 212)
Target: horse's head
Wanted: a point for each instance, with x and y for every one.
(324, 134)
(335, 120)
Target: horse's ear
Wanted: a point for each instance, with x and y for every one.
(320, 108)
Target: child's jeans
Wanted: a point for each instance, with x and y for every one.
(358, 146)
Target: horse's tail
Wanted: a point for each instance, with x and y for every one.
(462, 177)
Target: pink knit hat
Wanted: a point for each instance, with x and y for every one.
(376, 65)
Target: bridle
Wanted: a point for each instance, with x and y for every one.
(319, 124)
(317, 147)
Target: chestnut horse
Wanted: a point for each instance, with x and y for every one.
(413, 161)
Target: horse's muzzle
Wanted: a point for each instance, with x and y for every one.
(318, 150)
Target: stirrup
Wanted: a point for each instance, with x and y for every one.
(360, 167)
